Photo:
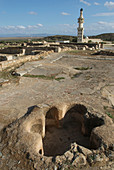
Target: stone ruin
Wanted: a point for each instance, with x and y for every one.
(11, 57)
(60, 133)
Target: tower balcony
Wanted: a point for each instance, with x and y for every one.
(80, 29)
(80, 20)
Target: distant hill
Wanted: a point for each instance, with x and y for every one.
(37, 37)
(60, 38)
(105, 36)
(54, 38)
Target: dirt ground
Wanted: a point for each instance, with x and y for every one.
(58, 78)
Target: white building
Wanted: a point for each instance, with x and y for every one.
(80, 27)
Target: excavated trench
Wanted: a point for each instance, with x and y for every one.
(75, 126)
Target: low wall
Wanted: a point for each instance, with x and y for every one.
(6, 64)
(108, 46)
(24, 50)
(90, 45)
(28, 50)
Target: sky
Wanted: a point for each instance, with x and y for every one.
(55, 16)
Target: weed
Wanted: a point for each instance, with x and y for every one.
(39, 76)
(109, 112)
(110, 115)
(59, 78)
(73, 51)
(44, 77)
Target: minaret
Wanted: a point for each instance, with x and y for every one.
(80, 28)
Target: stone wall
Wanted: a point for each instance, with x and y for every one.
(24, 50)
(89, 45)
(92, 39)
(108, 46)
(29, 50)
(16, 62)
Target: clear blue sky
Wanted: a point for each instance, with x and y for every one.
(55, 16)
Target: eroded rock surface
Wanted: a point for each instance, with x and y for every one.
(59, 132)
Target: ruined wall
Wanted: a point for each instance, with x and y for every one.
(108, 46)
(76, 46)
(16, 62)
(90, 45)
(30, 49)
(24, 50)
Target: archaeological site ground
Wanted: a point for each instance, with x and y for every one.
(56, 108)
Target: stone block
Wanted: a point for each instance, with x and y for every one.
(80, 160)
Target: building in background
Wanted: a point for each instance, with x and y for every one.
(80, 27)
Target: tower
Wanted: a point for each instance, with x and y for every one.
(80, 27)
